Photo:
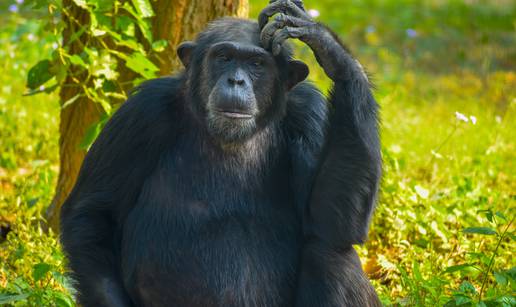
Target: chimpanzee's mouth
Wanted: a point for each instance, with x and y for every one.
(235, 114)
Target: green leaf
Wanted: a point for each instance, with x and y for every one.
(96, 24)
(489, 216)
(511, 273)
(130, 43)
(39, 74)
(108, 86)
(507, 300)
(102, 5)
(137, 62)
(455, 268)
(93, 131)
(20, 251)
(91, 134)
(467, 287)
(99, 99)
(142, 23)
(461, 299)
(159, 45)
(143, 7)
(40, 270)
(125, 25)
(501, 215)
(77, 60)
(106, 106)
(62, 300)
(480, 230)
(11, 298)
(416, 271)
(500, 278)
(146, 29)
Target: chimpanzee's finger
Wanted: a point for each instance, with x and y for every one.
(280, 22)
(277, 41)
(299, 3)
(281, 6)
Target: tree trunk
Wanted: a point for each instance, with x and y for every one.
(175, 21)
(180, 20)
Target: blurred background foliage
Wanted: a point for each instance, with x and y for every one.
(445, 76)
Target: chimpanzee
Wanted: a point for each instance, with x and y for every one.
(233, 183)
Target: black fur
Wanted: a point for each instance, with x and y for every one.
(164, 213)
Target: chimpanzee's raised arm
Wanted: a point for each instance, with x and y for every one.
(346, 184)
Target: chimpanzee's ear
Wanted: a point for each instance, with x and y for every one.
(297, 72)
(184, 51)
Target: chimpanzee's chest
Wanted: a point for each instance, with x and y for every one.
(208, 237)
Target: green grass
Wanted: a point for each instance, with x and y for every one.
(443, 232)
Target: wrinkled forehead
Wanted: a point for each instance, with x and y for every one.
(239, 31)
(243, 49)
(230, 29)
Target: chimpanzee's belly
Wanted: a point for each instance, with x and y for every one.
(190, 257)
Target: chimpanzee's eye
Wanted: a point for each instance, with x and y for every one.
(257, 62)
(223, 58)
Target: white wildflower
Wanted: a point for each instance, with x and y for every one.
(395, 148)
(313, 13)
(422, 192)
(461, 117)
(473, 119)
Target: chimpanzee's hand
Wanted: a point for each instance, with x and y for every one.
(293, 21)
(292, 14)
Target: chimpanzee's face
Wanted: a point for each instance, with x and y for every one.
(242, 81)
(238, 86)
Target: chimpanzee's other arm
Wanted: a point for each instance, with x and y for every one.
(108, 185)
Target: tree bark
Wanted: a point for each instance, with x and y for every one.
(175, 21)
(180, 20)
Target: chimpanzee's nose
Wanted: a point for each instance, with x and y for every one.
(236, 81)
(237, 78)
